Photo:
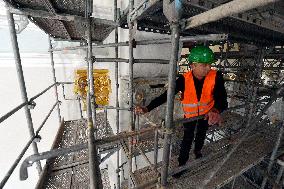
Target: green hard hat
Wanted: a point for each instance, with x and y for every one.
(201, 54)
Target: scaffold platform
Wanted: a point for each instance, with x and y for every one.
(63, 19)
(72, 170)
(260, 29)
(258, 145)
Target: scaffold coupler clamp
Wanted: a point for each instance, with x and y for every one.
(168, 131)
(31, 105)
(90, 124)
(37, 138)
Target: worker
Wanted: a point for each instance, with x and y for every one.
(202, 93)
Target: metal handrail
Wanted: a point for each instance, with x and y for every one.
(41, 93)
(16, 162)
(63, 151)
(7, 115)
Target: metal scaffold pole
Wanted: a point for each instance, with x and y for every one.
(11, 23)
(94, 169)
(175, 35)
(253, 88)
(274, 153)
(54, 79)
(225, 10)
(130, 71)
(116, 12)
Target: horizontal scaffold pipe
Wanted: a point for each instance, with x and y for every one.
(41, 93)
(65, 83)
(186, 120)
(42, 14)
(239, 67)
(100, 142)
(18, 159)
(113, 108)
(250, 54)
(157, 61)
(196, 38)
(55, 16)
(62, 151)
(7, 115)
(235, 68)
(243, 66)
(223, 11)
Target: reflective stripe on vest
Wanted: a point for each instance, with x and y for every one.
(191, 106)
(198, 104)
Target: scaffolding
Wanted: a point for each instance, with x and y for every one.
(234, 151)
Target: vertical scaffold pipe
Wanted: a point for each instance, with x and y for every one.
(175, 36)
(274, 153)
(116, 12)
(130, 71)
(94, 169)
(21, 79)
(54, 79)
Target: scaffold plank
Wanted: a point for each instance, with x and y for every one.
(71, 170)
(65, 20)
(250, 152)
(263, 29)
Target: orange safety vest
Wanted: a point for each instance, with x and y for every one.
(191, 106)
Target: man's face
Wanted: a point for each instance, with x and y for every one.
(200, 70)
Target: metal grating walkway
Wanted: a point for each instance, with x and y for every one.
(241, 27)
(71, 170)
(62, 19)
(250, 152)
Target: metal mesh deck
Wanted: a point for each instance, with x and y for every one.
(71, 170)
(250, 152)
(71, 30)
(239, 27)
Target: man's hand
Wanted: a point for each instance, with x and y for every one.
(213, 117)
(140, 110)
